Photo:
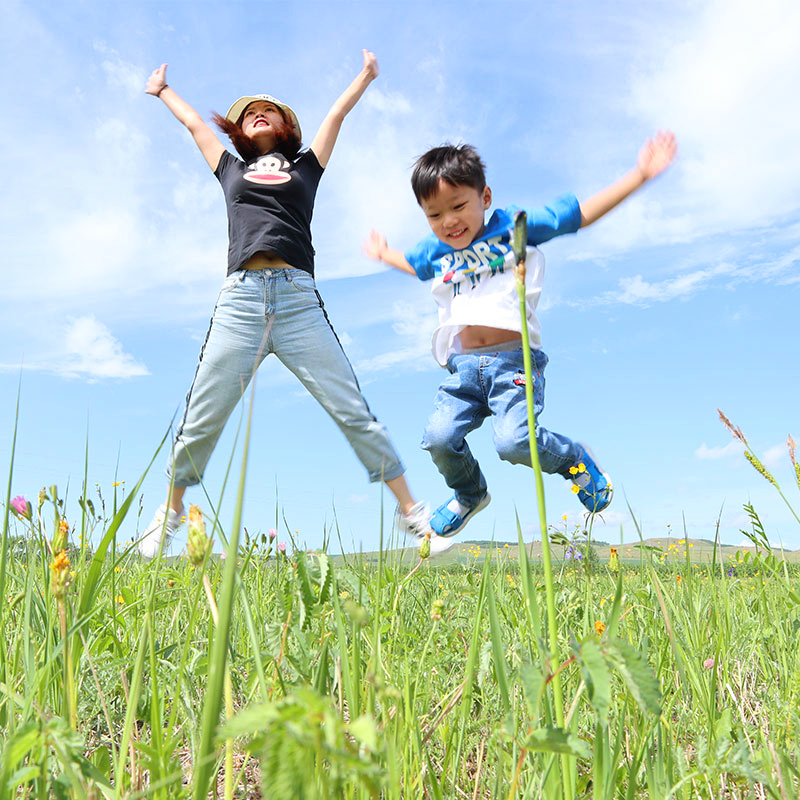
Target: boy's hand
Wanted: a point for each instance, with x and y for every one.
(370, 65)
(375, 245)
(157, 81)
(657, 154)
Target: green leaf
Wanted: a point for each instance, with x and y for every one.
(595, 674)
(557, 740)
(533, 684)
(636, 673)
(364, 730)
(304, 580)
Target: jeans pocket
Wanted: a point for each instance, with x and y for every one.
(301, 281)
(232, 281)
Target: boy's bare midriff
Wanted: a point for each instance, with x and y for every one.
(474, 336)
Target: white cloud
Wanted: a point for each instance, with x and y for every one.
(121, 74)
(724, 85)
(83, 348)
(730, 450)
(90, 349)
(775, 456)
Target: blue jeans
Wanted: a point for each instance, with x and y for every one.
(491, 384)
(279, 311)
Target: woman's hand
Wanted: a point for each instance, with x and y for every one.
(370, 65)
(157, 81)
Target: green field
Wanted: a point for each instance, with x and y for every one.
(557, 669)
(384, 675)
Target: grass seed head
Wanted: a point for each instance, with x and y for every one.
(759, 467)
(735, 432)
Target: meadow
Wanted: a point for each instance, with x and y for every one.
(283, 673)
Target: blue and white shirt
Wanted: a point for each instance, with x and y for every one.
(476, 285)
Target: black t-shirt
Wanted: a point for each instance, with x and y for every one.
(270, 201)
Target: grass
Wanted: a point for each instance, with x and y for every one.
(355, 679)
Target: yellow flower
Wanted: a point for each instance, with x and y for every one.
(573, 470)
(120, 599)
(60, 536)
(599, 628)
(575, 489)
(678, 578)
(197, 543)
(60, 575)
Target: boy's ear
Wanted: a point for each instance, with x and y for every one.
(486, 197)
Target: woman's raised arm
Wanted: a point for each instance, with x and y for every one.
(206, 140)
(326, 135)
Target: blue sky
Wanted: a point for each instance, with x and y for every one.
(679, 302)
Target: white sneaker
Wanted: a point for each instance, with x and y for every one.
(151, 538)
(416, 525)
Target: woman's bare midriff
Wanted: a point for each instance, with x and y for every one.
(264, 260)
(474, 336)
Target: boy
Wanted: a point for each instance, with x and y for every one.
(478, 338)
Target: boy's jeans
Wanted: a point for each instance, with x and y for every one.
(491, 384)
(274, 311)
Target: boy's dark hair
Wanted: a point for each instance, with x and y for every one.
(287, 142)
(455, 164)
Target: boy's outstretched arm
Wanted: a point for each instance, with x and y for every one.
(376, 248)
(656, 155)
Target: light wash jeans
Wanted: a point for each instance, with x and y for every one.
(491, 384)
(274, 311)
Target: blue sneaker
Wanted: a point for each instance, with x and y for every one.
(451, 517)
(591, 484)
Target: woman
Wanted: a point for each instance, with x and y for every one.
(269, 302)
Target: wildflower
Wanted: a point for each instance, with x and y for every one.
(731, 571)
(120, 599)
(170, 583)
(599, 628)
(678, 578)
(613, 560)
(282, 547)
(60, 575)
(117, 569)
(272, 533)
(575, 488)
(197, 543)
(21, 507)
(436, 609)
(708, 663)
(60, 536)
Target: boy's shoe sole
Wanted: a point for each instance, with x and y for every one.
(446, 523)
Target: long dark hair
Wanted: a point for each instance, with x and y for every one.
(287, 142)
